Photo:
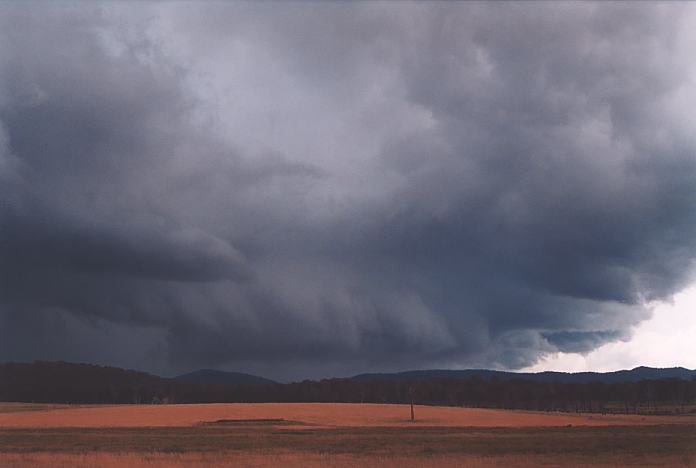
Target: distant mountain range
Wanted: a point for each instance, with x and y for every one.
(209, 376)
(64, 382)
(217, 377)
(633, 375)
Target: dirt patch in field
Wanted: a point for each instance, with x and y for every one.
(253, 422)
(312, 414)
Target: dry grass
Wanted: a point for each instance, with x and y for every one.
(336, 435)
(317, 414)
(290, 460)
(378, 441)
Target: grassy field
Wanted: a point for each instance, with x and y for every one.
(306, 414)
(334, 435)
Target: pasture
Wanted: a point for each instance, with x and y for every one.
(339, 435)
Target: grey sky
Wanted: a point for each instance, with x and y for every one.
(311, 189)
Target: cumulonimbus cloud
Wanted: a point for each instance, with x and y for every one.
(340, 187)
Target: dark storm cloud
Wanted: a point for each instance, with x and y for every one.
(325, 189)
(62, 243)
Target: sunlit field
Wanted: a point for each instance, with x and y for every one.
(337, 435)
(305, 415)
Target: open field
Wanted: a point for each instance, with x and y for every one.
(340, 435)
(306, 414)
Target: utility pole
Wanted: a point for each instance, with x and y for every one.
(411, 391)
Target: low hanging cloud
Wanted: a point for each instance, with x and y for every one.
(305, 190)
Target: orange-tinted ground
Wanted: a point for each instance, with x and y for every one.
(336, 435)
(310, 414)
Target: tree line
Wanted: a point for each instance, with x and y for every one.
(55, 382)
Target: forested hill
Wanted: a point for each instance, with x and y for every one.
(633, 375)
(210, 376)
(61, 382)
(64, 382)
